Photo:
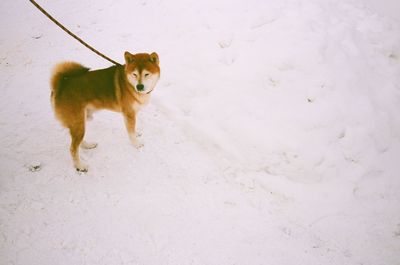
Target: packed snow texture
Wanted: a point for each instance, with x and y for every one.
(273, 136)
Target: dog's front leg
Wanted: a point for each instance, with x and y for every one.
(130, 122)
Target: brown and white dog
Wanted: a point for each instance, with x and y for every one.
(77, 92)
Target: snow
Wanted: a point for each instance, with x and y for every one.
(273, 136)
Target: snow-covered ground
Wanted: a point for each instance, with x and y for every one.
(273, 136)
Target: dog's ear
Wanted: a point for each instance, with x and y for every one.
(154, 58)
(129, 58)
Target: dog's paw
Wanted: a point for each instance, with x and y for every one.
(86, 145)
(82, 168)
(137, 144)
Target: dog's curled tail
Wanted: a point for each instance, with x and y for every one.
(64, 70)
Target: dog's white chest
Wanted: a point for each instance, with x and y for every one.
(136, 106)
(140, 102)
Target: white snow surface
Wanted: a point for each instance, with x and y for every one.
(273, 136)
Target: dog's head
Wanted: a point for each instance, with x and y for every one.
(142, 71)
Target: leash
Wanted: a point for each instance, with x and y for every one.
(72, 34)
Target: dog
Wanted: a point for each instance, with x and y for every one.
(76, 92)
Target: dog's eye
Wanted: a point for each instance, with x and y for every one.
(135, 75)
(146, 75)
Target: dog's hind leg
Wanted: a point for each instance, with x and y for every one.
(89, 113)
(89, 117)
(77, 133)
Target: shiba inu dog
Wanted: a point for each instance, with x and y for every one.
(77, 92)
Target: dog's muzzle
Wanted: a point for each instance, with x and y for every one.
(140, 87)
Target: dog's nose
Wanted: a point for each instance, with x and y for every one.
(140, 87)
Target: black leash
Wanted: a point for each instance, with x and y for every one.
(72, 34)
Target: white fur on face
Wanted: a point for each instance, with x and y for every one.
(146, 78)
(149, 81)
(133, 78)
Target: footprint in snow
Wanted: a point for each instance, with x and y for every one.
(35, 166)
